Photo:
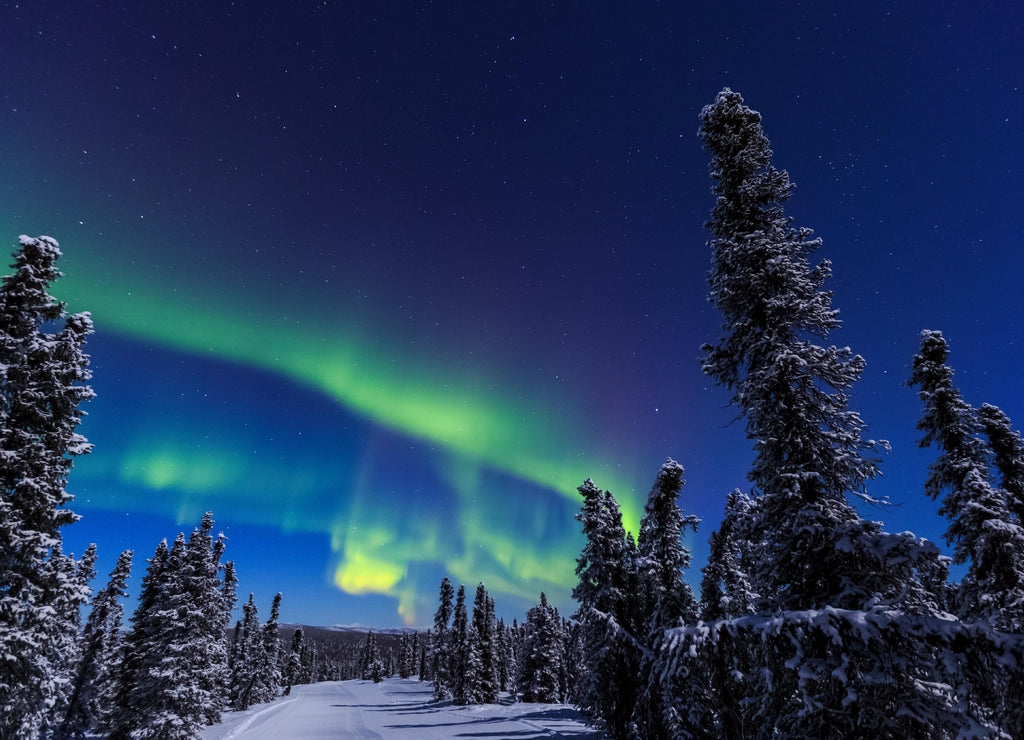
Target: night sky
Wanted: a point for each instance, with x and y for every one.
(380, 284)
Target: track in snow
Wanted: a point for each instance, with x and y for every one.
(396, 709)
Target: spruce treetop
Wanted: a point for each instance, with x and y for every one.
(792, 391)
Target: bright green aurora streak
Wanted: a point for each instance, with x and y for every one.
(477, 431)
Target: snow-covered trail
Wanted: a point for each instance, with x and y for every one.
(396, 709)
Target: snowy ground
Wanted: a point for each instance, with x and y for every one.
(396, 709)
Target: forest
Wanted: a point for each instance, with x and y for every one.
(810, 620)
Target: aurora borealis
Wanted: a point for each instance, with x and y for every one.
(380, 286)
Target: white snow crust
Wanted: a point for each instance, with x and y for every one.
(396, 709)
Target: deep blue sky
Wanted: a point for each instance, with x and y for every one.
(380, 284)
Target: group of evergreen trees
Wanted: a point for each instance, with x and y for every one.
(170, 677)
(376, 665)
(179, 666)
(174, 670)
(473, 660)
(812, 621)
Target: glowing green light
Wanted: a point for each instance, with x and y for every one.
(476, 430)
(389, 387)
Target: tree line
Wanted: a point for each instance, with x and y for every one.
(471, 659)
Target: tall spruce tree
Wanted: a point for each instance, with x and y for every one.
(155, 700)
(1007, 456)
(725, 587)
(404, 655)
(371, 665)
(270, 654)
(607, 595)
(575, 661)
(210, 601)
(92, 686)
(414, 653)
(293, 664)
(140, 645)
(793, 392)
(426, 647)
(506, 669)
(486, 646)
(441, 653)
(543, 665)
(43, 380)
(245, 660)
(516, 649)
(983, 531)
(662, 556)
(666, 598)
(462, 665)
(66, 638)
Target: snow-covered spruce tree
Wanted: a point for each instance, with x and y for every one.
(982, 530)
(469, 689)
(227, 601)
(93, 685)
(210, 600)
(424, 656)
(416, 653)
(155, 700)
(293, 663)
(486, 646)
(606, 595)
(140, 645)
(667, 600)
(269, 673)
(464, 664)
(725, 587)
(404, 656)
(715, 687)
(367, 654)
(662, 556)
(441, 652)
(543, 665)
(503, 650)
(66, 639)
(379, 669)
(516, 652)
(1007, 456)
(575, 660)
(245, 657)
(411, 661)
(793, 392)
(371, 665)
(43, 380)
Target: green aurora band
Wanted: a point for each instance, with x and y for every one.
(478, 433)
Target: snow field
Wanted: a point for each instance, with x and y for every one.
(395, 709)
